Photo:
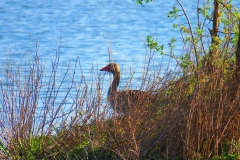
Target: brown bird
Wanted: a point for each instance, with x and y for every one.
(127, 100)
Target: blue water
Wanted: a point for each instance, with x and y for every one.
(84, 26)
(86, 29)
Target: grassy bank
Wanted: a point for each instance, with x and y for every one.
(195, 116)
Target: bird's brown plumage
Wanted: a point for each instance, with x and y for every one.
(127, 100)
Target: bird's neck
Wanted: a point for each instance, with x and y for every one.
(115, 83)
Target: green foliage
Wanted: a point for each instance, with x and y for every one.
(171, 44)
(141, 1)
(152, 44)
(32, 148)
(226, 152)
(173, 13)
(186, 62)
(175, 26)
(3, 148)
(199, 32)
(184, 29)
(229, 156)
(206, 10)
(197, 38)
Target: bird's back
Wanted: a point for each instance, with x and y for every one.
(131, 100)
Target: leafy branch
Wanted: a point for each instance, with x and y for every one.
(141, 1)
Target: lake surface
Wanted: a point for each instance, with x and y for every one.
(87, 29)
(84, 27)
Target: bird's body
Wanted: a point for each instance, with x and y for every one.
(127, 100)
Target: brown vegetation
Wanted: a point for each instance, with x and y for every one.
(196, 114)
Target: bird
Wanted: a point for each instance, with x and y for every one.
(125, 101)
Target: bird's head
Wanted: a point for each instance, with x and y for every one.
(112, 67)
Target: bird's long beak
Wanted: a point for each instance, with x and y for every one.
(105, 69)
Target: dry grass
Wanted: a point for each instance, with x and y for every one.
(194, 117)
